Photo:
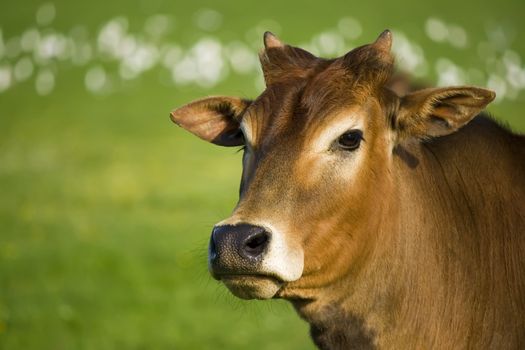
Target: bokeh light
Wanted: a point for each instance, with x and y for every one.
(209, 61)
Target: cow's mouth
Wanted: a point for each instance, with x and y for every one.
(252, 286)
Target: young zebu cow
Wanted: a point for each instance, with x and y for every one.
(385, 219)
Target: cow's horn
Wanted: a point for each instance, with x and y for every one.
(271, 41)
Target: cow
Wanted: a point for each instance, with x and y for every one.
(390, 218)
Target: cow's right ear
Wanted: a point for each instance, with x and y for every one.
(213, 119)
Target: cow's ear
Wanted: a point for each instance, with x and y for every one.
(439, 111)
(213, 119)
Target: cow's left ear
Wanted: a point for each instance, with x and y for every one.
(213, 119)
(439, 111)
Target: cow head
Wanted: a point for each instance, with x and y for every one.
(318, 149)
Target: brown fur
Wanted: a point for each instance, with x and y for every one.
(420, 247)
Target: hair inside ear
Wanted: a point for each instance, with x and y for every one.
(230, 138)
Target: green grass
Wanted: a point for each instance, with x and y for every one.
(106, 212)
(106, 207)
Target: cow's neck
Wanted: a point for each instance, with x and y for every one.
(388, 303)
(362, 319)
(359, 311)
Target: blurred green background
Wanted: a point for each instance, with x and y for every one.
(106, 207)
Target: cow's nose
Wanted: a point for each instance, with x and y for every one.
(233, 243)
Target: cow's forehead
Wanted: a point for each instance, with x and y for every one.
(289, 108)
(332, 89)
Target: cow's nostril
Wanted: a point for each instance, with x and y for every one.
(257, 241)
(212, 249)
(242, 240)
(255, 245)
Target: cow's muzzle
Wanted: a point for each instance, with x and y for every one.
(235, 257)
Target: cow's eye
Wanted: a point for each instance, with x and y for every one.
(350, 140)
